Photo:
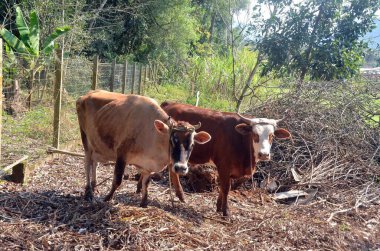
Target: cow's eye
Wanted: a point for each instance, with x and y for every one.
(255, 137)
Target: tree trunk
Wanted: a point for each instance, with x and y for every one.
(305, 67)
(243, 94)
(212, 25)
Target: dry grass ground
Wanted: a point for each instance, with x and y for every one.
(49, 213)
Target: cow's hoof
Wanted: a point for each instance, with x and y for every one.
(88, 196)
(226, 213)
(107, 198)
(181, 197)
(144, 204)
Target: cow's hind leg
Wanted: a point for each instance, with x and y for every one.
(139, 184)
(117, 177)
(94, 166)
(88, 193)
(177, 184)
(222, 202)
(144, 185)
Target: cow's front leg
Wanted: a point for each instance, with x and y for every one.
(177, 184)
(145, 178)
(117, 177)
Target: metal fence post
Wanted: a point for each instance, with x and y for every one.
(125, 76)
(112, 80)
(1, 90)
(95, 70)
(58, 87)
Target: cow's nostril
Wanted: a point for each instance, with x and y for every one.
(176, 168)
(263, 155)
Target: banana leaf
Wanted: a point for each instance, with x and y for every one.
(22, 27)
(48, 46)
(15, 43)
(34, 36)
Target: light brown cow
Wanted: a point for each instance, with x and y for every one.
(133, 130)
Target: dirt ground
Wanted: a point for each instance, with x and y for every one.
(49, 213)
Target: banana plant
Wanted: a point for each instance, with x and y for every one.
(28, 44)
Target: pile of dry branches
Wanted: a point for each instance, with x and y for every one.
(335, 141)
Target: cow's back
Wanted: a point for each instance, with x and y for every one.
(226, 144)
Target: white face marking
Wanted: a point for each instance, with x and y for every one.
(184, 153)
(264, 132)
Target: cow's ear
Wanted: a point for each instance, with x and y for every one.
(282, 133)
(161, 126)
(243, 128)
(202, 137)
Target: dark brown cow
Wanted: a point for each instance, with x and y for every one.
(133, 130)
(237, 144)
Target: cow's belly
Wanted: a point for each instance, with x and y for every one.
(101, 153)
(148, 164)
(101, 157)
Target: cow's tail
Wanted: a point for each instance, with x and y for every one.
(81, 119)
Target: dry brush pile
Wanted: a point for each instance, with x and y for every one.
(335, 145)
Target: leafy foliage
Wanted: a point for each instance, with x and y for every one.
(29, 41)
(321, 38)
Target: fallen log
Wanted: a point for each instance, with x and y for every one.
(51, 150)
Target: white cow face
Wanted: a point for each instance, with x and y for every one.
(263, 131)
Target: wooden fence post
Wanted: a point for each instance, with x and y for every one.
(112, 80)
(57, 97)
(148, 72)
(133, 77)
(1, 90)
(140, 80)
(30, 91)
(125, 76)
(144, 82)
(95, 72)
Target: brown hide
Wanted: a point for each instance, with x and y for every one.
(122, 128)
(123, 125)
(229, 150)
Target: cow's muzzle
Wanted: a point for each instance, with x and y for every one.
(264, 156)
(180, 168)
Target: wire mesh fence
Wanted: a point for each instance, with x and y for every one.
(27, 101)
(29, 98)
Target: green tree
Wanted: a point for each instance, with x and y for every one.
(320, 39)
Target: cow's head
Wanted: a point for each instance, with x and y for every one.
(182, 140)
(263, 131)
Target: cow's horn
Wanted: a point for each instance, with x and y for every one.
(246, 120)
(279, 120)
(197, 126)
